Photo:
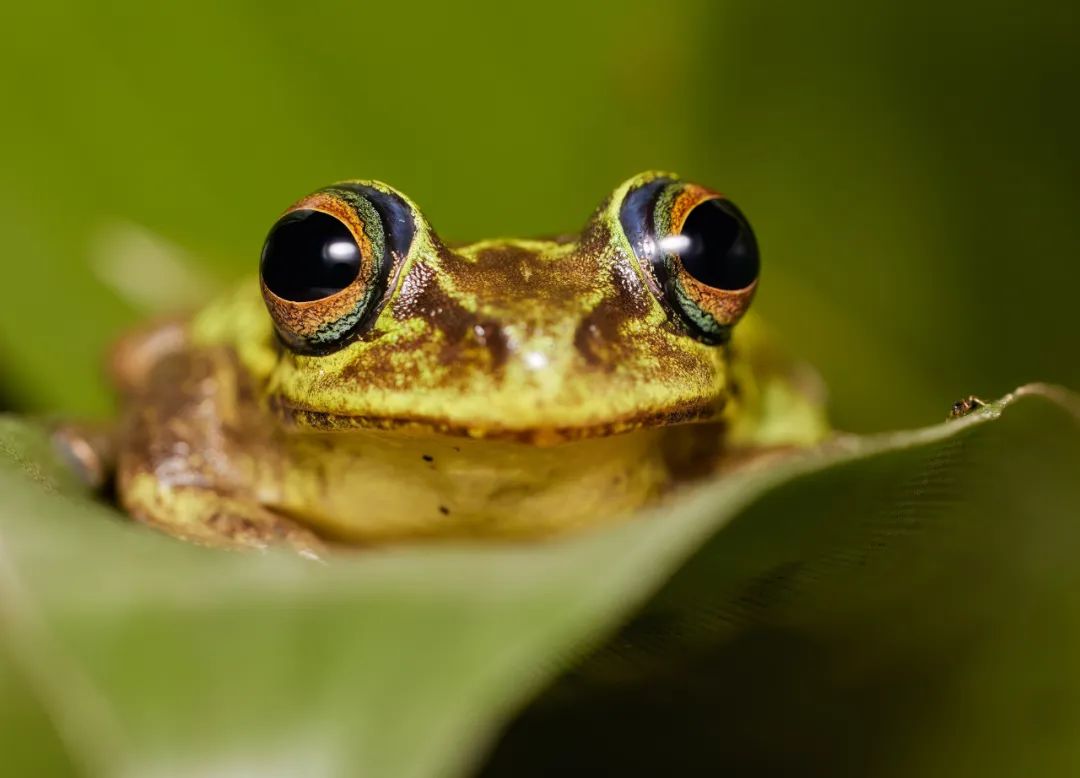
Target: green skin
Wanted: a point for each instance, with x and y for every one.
(505, 388)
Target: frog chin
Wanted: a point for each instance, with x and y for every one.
(374, 485)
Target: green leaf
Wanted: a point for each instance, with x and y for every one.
(897, 604)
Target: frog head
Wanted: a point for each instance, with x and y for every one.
(377, 322)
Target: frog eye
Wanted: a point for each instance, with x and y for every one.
(309, 256)
(325, 265)
(716, 247)
(700, 251)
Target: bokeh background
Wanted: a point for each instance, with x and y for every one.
(911, 168)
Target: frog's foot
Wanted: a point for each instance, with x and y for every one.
(963, 407)
(89, 450)
(209, 518)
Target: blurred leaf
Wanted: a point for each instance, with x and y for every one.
(128, 653)
(912, 613)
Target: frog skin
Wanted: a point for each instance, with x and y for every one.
(377, 384)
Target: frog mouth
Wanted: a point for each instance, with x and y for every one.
(541, 435)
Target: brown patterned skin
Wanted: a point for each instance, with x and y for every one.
(505, 388)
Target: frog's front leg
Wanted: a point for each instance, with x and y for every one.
(212, 518)
(90, 448)
(190, 452)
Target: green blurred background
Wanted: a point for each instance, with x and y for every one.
(911, 168)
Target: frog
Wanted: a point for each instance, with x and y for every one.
(377, 384)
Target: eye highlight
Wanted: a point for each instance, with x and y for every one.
(699, 250)
(325, 264)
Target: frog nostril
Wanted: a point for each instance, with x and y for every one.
(486, 332)
(492, 337)
(466, 338)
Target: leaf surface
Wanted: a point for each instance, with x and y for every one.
(928, 577)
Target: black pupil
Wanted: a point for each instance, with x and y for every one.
(309, 255)
(720, 250)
